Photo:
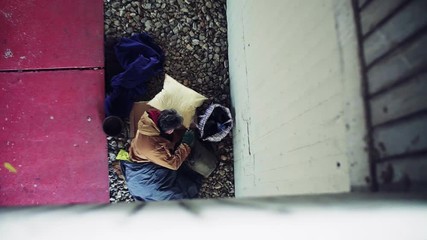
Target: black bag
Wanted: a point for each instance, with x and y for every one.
(202, 160)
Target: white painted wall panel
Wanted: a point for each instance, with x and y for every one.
(294, 90)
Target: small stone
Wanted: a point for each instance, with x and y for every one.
(113, 144)
(189, 47)
(148, 24)
(195, 41)
(175, 30)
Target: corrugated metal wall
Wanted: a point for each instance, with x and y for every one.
(393, 48)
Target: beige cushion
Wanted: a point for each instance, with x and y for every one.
(179, 97)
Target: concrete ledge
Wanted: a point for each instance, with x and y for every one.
(296, 92)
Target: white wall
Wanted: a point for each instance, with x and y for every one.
(295, 89)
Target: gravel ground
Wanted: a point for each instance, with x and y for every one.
(193, 35)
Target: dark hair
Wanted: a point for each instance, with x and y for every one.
(169, 119)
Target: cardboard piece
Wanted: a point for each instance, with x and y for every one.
(137, 110)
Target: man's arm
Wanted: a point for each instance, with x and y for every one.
(163, 157)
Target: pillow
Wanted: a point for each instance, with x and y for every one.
(179, 97)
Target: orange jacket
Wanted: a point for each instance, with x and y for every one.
(149, 146)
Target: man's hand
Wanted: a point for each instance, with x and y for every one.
(188, 138)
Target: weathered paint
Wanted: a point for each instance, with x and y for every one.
(44, 34)
(58, 155)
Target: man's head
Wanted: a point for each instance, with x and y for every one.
(169, 120)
